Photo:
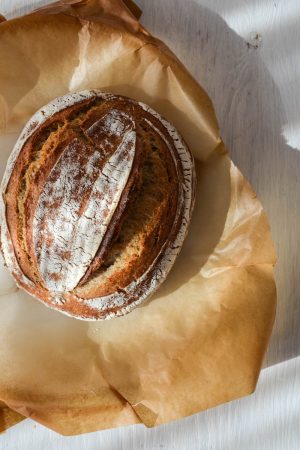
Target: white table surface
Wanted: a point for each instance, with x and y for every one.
(246, 54)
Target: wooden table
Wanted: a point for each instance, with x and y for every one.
(246, 54)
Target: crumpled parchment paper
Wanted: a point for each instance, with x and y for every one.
(200, 340)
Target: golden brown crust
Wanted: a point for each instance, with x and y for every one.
(149, 214)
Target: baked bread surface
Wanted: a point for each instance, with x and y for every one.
(96, 201)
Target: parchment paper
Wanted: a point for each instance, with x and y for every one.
(201, 339)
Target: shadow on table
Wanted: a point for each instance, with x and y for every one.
(251, 116)
(21, 10)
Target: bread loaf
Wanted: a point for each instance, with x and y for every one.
(96, 201)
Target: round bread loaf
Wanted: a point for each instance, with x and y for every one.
(96, 201)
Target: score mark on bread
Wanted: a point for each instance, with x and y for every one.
(96, 201)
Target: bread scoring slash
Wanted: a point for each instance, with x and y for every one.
(96, 201)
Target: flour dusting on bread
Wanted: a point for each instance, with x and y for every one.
(67, 237)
